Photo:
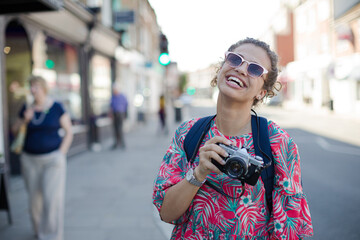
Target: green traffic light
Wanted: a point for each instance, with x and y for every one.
(164, 59)
(49, 64)
(191, 90)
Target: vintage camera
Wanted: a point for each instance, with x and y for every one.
(240, 165)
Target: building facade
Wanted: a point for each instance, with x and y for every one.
(81, 47)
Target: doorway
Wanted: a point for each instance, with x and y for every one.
(18, 65)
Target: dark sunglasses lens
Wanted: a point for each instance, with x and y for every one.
(233, 59)
(255, 70)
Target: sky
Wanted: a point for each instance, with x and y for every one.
(200, 31)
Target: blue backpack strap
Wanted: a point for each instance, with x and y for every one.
(262, 147)
(195, 135)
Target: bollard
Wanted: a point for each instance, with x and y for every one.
(178, 117)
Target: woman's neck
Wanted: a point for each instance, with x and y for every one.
(40, 102)
(233, 118)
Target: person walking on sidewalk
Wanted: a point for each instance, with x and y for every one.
(118, 110)
(43, 160)
(234, 210)
(162, 115)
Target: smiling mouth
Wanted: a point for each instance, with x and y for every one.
(237, 81)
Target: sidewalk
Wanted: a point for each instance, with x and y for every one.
(109, 193)
(343, 128)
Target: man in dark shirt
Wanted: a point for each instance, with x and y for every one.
(118, 106)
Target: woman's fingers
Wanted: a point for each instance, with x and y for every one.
(205, 165)
(212, 151)
(28, 114)
(214, 148)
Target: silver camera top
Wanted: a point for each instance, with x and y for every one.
(243, 154)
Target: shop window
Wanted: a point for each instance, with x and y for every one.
(100, 93)
(58, 63)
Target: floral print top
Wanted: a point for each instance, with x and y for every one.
(212, 215)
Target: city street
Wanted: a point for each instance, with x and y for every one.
(99, 61)
(329, 168)
(109, 193)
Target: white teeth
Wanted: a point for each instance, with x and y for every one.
(231, 78)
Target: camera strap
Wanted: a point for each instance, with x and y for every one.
(197, 132)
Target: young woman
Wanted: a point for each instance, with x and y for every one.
(247, 75)
(43, 159)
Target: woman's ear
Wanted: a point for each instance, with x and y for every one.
(261, 94)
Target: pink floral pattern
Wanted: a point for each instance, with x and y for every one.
(212, 215)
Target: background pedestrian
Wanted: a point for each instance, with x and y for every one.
(118, 110)
(43, 159)
(162, 115)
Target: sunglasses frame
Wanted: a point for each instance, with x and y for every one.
(265, 71)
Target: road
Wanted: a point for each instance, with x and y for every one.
(330, 171)
(108, 193)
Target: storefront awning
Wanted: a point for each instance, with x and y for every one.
(26, 6)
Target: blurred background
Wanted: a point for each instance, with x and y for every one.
(172, 48)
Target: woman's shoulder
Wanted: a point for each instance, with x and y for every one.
(185, 127)
(57, 103)
(277, 133)
(58, 106)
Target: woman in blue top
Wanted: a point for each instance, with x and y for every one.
(44, 159)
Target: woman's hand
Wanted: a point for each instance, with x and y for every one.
(65, 123)
(28, 115)
(211, 151)
(178, 197)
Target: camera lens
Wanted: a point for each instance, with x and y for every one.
(235, 167)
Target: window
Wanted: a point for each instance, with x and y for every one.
(58, 63)
(100, 93)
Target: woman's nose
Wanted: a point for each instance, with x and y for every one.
(242, 68)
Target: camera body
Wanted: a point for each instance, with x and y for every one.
(240, 165)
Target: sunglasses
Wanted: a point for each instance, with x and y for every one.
(253, 69)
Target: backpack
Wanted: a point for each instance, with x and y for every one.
(259, 126)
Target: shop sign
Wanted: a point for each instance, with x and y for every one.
(148, 64)
(124, 17)
(26, 6)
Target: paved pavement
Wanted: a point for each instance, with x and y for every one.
(342, 127)
(109, 193)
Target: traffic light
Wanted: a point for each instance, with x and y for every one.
(49, 64)
(164, 58)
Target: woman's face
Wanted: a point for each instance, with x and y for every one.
(37, 90)
(236, 83)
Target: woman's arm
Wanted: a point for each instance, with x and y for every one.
(16, 126)
(28, 115)
(65, 123)
(178, 197)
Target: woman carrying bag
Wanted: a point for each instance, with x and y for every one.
(43, 159)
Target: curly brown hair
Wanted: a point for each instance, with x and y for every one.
(270, 83)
